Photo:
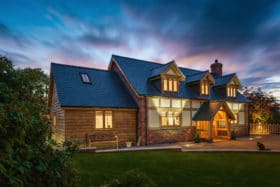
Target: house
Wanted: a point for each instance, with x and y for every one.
(145, 101)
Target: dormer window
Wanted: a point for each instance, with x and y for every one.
(85, 78)
(170, 84)
(204, 88)
(231, 91)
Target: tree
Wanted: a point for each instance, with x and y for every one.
(25, 157)
(264, 107)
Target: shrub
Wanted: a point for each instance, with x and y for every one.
(26, 157)
(197, 138)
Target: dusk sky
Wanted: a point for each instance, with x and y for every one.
(243, 35)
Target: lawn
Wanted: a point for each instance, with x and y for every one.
(182, 169)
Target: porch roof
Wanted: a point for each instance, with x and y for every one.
(208, 110)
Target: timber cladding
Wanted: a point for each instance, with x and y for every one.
(58, 127)
(81, 121)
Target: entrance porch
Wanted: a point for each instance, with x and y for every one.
(213, 120)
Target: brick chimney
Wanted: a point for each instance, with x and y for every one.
(217, 68)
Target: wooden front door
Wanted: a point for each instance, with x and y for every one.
(221, 125)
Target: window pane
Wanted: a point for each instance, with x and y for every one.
(85, 77)
(108, 119)
(99, 119)
(153, 118)
(228, 91)
(170, 87)
(170, 118)
(176, 118)
(176, 103)
(165, 102)
(186, 118)
(206, 89)
(163, 119)
(153, 102)
(241, 118)
(165, 84)
(202, 89)
(175, 85)
(241, 106)
(235, 106)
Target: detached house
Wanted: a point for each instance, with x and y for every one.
(145, 101)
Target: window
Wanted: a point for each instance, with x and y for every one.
(234, 122)
(231, 91)
(54, 120)
(170, 84)
(103, 119)
(204, 88)
(170, 118)
(85, 78)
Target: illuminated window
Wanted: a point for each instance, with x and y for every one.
(54, 120)
(234, 122)
(175, 85)
(204, 88)
(170, 118)
(85, 78)
(103, 119)
(165, 87)
(170, 85)
(231, 91)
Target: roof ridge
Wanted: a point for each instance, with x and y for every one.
(137, 59)
(76, 66)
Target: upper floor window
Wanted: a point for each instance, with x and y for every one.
(204, 88)
(103, 119)
(170, 85)
(231, 91)
(85, 78)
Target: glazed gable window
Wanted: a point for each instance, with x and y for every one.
(204, 88)
(170, 84)
(231, 91)
(103, 119)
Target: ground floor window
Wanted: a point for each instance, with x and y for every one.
(170, 118)
(103, 119)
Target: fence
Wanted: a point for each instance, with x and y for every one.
(265, 129)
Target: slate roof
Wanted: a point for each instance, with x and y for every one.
(208, 110)
(138, 72)
(158, 70)
(106, 90)
(196, 77)
(223, 80)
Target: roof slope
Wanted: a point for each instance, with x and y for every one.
(158, 70)
(208, 110)
(106, 89)
(223, 80)
(138, 72)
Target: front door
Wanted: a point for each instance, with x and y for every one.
(220, 125)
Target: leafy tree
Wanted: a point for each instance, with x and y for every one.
(25, 157)
(264, 107)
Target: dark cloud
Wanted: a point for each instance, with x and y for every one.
(101, 41)
(208, 25)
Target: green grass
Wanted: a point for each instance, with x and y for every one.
(182, 169)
